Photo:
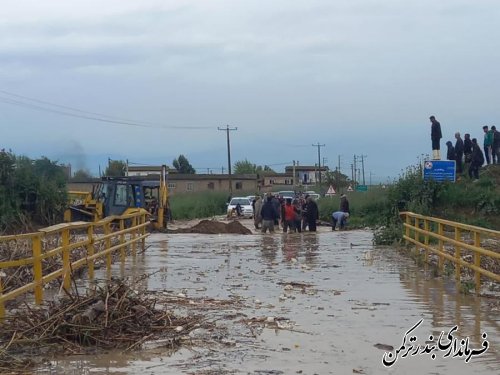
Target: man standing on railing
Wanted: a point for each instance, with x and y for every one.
(436, 138)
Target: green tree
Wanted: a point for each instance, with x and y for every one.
(182, 165)
(246, 167)
(82, 175)
(115, 168)
(50, 199)
(8, 197)
(337, 179)
(30, 190)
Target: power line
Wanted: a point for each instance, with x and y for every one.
(84, 114)
(65, 107)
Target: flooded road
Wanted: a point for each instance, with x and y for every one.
(333, 296)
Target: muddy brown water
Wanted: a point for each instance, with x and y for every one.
(359, 296)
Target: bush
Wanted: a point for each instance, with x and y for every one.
(30, 190)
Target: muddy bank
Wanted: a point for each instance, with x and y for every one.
(214, 227)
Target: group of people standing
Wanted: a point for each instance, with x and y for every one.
(295, 215)
(467, 150)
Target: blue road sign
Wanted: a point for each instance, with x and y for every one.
(439, 170)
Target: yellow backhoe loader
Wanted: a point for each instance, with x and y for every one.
(122, 195)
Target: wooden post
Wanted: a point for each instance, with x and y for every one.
(440, 248)
(477, 262)
(458, 237)
(90, 250)
(37, 268)
(66, 259)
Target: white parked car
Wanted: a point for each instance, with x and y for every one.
(246, 206)
(287, 194)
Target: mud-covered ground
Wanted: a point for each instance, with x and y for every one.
(310, 303)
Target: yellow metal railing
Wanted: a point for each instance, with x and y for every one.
(76, 235)
(419, 230)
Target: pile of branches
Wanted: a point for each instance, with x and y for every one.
(108, 317)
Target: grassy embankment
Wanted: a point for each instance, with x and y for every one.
(476, 203)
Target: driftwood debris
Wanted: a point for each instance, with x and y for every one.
(114, 316)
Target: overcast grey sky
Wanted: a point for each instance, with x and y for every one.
(360, 76)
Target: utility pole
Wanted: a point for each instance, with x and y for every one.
(293, 173)
(352, 173)
(363, 166)
(227, 130)
(355, 171)
(319, 161)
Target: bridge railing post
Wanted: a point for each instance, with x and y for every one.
(90, 250)
(426, 241)
(109, 256)
(441, 248)
(407, 229)
(458, 237)
(143, 230)
(122, 242)
(416, 234)
(37, 268)
(66, 259)
(477, 262)
(135, 233)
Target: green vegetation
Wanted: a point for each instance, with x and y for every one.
(30, 191)
(198, 205)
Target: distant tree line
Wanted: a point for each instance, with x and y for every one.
(31, 191)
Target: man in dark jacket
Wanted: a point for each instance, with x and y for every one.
(344, 204)
(467, 148)
(495, 150)
(436, 138)
(477, 160)
(312, 213)
(450, 154)
(269, 215)
(459, 152)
